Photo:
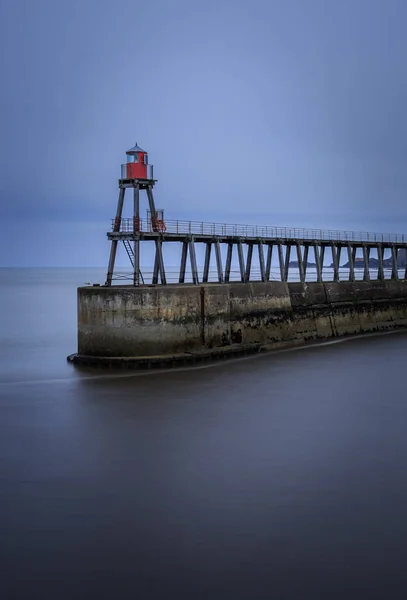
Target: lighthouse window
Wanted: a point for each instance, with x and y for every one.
(145, 159)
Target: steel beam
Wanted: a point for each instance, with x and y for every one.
(380, 270)
(305, 261)
(183, 266)
(351, 263)
(192, 257)
(268, 262)
(218, 255)
(136, 247)
(317, 255)
(241, 261)
(281, 261)
(160, 261)
(228, 262)
(207, 262)
(394, 270)
(249, 262)
(366, 258)
(116, 227)
(322, 255)
(300, 263)
(335, 263)
(261, 261)
(287, 261)
(151, 202)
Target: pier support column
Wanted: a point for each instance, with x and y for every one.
(366, 258)
(136, 230)
(305, 261)
(219, 261)
(192, 257)
(159, 263)
(394, 270)
(380, 270)
(322, 261)
(318, 262)
(281, 260)
(287, 261)
(335, 262)
(207, 262)
(268, 261)
(351, 263)
(183, 266)
(261, 262)
(228, 261)
(241, 261)
(249, 262)
(300, 263)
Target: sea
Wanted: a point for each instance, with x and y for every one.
(278, 476)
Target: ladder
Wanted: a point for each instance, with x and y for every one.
(130, 254)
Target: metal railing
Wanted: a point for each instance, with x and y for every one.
(125, 174)
(258, 231)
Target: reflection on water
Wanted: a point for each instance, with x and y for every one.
(275, 476)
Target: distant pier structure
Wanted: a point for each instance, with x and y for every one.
(260, 253)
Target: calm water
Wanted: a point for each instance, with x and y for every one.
(281, 476)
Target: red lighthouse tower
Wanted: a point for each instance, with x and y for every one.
(137, 174)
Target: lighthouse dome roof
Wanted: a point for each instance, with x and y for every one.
(135, 149)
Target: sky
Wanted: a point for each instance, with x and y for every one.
(277, 112)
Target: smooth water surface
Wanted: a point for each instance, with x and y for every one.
(278, 476)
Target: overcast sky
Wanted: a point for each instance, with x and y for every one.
(282, 112)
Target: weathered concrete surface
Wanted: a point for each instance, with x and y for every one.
(177, 320)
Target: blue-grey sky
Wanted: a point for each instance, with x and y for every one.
(283, 112)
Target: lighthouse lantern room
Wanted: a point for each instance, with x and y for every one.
(137, 166)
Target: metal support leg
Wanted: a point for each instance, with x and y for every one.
(156, 268)
(380, 270)
(305, 261)
(241, 261)
(207, 262)
(228, 261)
(136, 227)
(351, 263)
(116, 227)
(261, 262)
(300, 263)
(281, 261)
(159, 255)
(394, 270)
(249, 262)
(151, 204)
(218, 255)
(366, 258)
(192, 256)
(287, 261)
(335, 262)
(354, 252)
(318, 262)
(268, 262)
(405, 256)
(322, 261)
(183, 266)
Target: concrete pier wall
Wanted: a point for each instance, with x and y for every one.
(211, 318)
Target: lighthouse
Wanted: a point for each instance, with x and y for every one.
(136, 174)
